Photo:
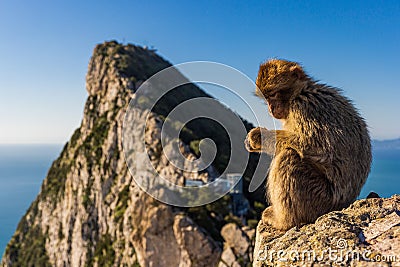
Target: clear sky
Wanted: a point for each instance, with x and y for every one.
(46, 45)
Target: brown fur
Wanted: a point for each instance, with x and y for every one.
(322, 156)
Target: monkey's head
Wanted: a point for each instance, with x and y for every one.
(279, 82)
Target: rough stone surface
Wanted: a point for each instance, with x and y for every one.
(235, 238)
(228, 259)
(365, 234)
(195, 246)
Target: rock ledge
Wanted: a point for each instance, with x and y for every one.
(365, 234)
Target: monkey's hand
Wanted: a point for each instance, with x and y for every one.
(253, 141)
(260, 140)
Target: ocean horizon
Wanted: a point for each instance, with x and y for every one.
(23, 168)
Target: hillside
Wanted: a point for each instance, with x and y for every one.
(90, 211)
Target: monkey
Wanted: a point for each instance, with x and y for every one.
(322, 155)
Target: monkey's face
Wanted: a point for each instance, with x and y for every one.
(278, 101)
(278, 104)
(279, 82)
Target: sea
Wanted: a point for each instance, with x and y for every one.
(23, 168)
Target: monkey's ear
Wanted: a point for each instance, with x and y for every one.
(297, 72)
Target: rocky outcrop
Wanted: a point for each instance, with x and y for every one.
(365, 234)
(90, 210)
(238, 245)
(191, 241)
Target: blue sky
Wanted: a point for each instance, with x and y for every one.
(46, 45)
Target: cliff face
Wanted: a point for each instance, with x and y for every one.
(91, 212)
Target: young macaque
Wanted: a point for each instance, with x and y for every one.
(322, 156)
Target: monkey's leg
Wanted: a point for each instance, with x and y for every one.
(299, 191)
(268, 216)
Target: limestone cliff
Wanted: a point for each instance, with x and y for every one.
(90, 212)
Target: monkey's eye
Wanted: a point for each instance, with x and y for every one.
(273, 95)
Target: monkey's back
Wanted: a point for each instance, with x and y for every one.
(332, 132)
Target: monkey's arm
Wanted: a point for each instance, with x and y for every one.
(266, 141)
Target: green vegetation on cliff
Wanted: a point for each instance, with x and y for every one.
(27, 247)
(104, 253)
